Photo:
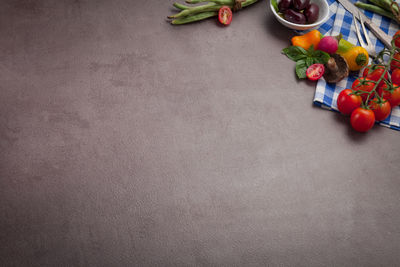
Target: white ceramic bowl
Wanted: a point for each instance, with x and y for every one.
(323, 16)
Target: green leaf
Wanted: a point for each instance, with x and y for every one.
(310, 51)
(301, 68)
(275, 5)
(295, 53)
(321, 56)
(310, 61)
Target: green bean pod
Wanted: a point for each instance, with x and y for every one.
(375, 9)
(386, 4)
(193, 18)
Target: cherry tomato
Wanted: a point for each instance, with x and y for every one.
(225, 15)
(315, 71)
(375, 72)
(396, 37)
(380, 109)
(364, 84)
(362, 119)
(390, 94)
(348, 102)
(396, 75)
(394, 64)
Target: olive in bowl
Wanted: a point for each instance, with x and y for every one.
(300, 14)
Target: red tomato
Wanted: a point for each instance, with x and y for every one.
(380, 109)
(364, 84)
(396, 36)
(396, 75)
(225, 15)
(348, 102)
(395, 63)
(392, 94)
(375, 72)
(362, 119)
(315, 71)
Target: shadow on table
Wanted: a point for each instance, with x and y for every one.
(355, 136)
(277, 30)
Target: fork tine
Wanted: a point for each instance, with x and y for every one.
(363, 27)
(360, 39)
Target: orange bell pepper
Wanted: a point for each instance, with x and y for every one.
(306, 40)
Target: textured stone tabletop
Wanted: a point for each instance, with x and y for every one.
(126, 141)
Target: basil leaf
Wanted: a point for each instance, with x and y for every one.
(310, 61)
(295, 53)
(301, 68)
(311, 51)
(321, 56)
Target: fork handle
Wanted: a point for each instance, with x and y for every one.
(385, 39)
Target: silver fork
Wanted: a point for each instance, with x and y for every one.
(368, 46)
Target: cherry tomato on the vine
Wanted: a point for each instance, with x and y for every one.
(347, 102)
(315, 71)
(396, 37)
(396, 75)
(390, 94)
(380, 109)
(375, 72)
(364, 84)
(395, 63)
(225, 15)
(362, 119)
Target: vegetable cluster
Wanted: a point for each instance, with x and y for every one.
(338, 55)
(373, 95)
(190, 14)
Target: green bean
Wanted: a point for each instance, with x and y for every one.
(385, 4)
(248, 2)
(180, 6)
(195, 10)
(219, 2)
(193, 18)
(375, 9)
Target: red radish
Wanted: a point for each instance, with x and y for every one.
(329, 44)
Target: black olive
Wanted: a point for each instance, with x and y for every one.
(295, 17)
(300, 4)
(311, 13)
(284, 5)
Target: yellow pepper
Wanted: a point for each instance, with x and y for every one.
(355, 56)
(308, 39)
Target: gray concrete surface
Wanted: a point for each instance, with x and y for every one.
(126, 141)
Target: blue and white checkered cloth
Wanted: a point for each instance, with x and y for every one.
(341, 21)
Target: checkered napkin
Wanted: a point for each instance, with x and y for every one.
(341, 21)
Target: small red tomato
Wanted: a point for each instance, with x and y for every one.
(381, 109)
(347, 102)
(396, 75)
(396, 37)
(395, 63)
(362, 119)
(315, 71)
(225, 15)
(364, 85)
(375, 72)
(392, 94)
